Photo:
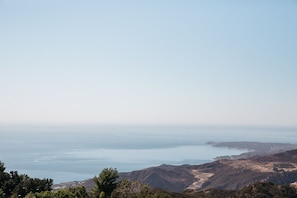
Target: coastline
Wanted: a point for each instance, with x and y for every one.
(254, 148)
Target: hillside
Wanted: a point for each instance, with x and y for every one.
(227, 174)
(222, 174)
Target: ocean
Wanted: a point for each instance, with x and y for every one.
(75, 153)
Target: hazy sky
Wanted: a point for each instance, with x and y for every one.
(148, 62)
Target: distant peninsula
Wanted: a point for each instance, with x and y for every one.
(254, 148)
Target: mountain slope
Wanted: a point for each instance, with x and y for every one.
(227, 174)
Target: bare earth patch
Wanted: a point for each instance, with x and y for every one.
(201, 179)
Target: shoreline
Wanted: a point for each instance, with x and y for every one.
(254, 148)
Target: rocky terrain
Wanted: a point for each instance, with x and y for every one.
(225, 173)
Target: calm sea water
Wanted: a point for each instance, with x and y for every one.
(72, 153)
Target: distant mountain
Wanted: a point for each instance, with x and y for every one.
(227, 174)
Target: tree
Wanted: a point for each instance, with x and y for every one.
(127, 188)
(4, 178)
(1, 193)
(106, 182)
(13, 184)
(73, 192)
(2, 167)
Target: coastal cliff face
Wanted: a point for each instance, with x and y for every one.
(227, 174)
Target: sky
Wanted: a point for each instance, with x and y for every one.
(148, 62)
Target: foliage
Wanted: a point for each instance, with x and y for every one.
(102, 194)
(79, 191)
(261, 189)
(106, 182)
(2, 167)
(127, 188)
(267, 189)
(15, 185)
(1, 193)
(74, 192)
(43, 194)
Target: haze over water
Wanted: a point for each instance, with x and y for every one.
(72, 153)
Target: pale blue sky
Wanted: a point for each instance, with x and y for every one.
(148, 62)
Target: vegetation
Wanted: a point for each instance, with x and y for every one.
(75, 192)
(267, 189)
(127, 188)
(105, 183)
(13, 185)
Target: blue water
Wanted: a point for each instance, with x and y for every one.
(68, 153)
